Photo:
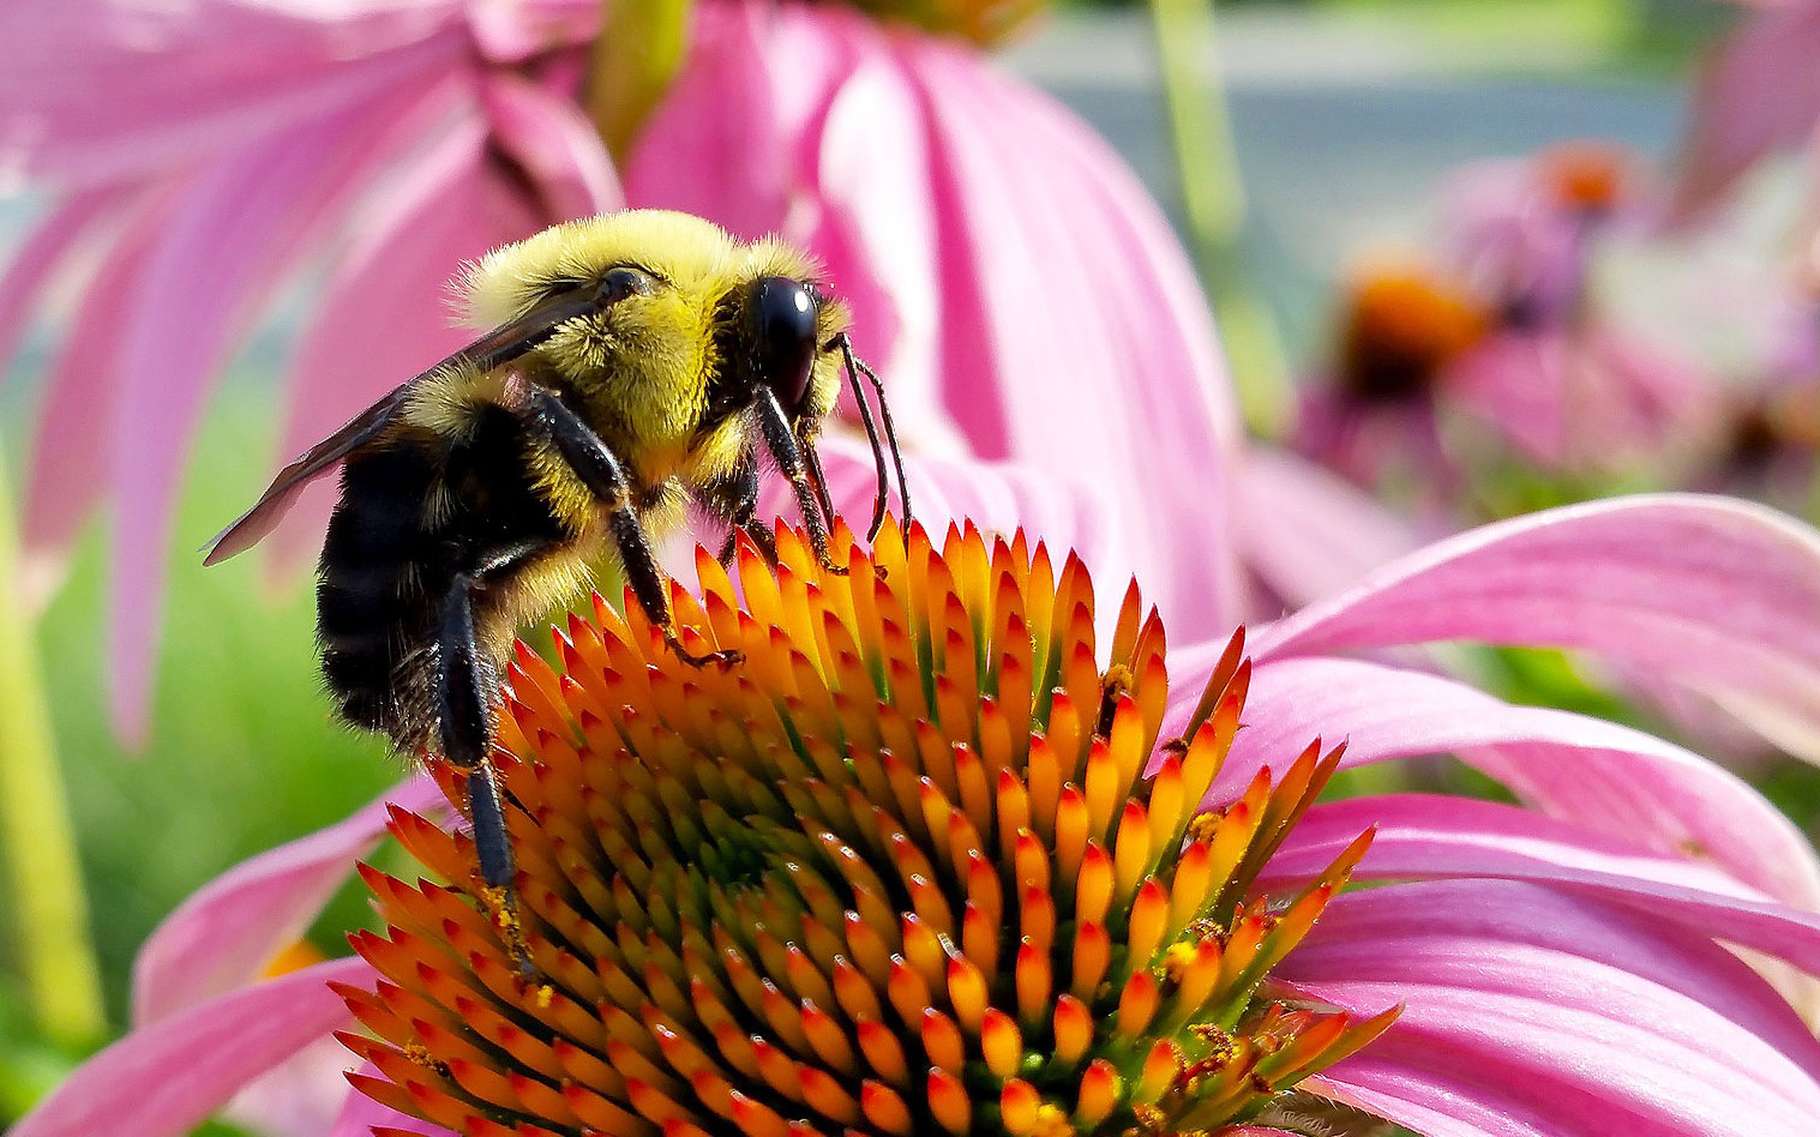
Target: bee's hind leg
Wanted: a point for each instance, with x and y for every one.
(601, 471)
(465, 719)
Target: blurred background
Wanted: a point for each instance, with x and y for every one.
(1346, 115)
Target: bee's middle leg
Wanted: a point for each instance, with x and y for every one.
(465, 720)
(603, 473)
(738, 503)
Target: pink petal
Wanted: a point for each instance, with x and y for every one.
(232, 236)
(39, 255)
(1758, 93)
(519, 30)
(380, 319)
(82, 390)
(720, 144)
(1307, 533)
(549, 137)
(999, 497)
(1591, 399)
(1119, 382)
(224, 934)
(300, 1097)
(875, 232)
(1422, 837)
(1720, 595)
(104, 89)
(1527, 1012)
(168, 1077)
(1516, 383)
(1377, 443)
(1602, 776)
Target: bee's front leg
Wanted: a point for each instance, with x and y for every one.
(602, 472)
(788, 455)
(465, 721)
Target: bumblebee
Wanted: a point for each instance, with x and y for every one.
(638, 361)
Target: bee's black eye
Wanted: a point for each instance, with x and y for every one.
(620, 282)
(783, 314)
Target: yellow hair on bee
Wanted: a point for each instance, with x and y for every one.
(677, 247)
(448, 402)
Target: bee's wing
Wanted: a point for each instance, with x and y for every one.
(276, 501)
(497, 348)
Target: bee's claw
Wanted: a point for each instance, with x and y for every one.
(726, 660)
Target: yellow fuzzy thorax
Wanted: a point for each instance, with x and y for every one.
(641, 368)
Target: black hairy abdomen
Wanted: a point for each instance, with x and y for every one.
(389, 565)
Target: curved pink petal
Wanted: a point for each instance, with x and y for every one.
(1758, 93)
(100, 89)
(1597, 774)
(1423, 836)
(1717, 594)
(549, 137)
(166, 1078)
(221, 937)
(82, 389)
(1119, 380)
(37, 258)
(1308, 533)
(381, 318)
(1527, 1012)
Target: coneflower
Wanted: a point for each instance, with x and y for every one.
(911, 869)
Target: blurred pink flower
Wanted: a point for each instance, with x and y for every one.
(1010, 274)
(1758, 94)
(1564, 383)
(1561, 965)
(1503, 348)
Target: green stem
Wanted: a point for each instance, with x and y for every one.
(640, 48)
(1213, 198)
(51, 920)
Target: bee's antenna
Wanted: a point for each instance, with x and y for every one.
(855, 368)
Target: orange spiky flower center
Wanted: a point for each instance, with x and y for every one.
(917, 866)
(1401, 326)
